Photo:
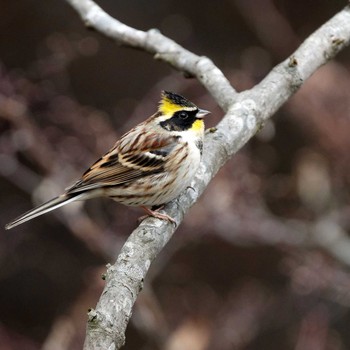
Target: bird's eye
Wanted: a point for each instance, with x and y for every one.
(183, 115)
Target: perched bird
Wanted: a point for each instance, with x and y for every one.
(149, 166)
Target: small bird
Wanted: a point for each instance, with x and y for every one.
(148, 166)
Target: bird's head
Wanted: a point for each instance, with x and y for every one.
(179, 114)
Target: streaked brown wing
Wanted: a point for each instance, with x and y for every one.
(127, 161)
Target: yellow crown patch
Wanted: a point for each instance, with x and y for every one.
(168, 107)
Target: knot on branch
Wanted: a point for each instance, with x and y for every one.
(101, 328)
(338, 43)
(293, 76)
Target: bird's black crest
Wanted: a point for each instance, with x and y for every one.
(177, 99)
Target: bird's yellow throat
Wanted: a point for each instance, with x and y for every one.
(198, 125)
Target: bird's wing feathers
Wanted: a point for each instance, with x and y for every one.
(130, 159)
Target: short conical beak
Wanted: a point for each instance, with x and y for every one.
(202, 113)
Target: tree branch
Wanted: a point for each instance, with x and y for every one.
(161, 47)
(245, 115)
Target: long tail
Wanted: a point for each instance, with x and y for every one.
(45, 208)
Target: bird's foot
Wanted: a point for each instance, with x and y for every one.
(156, 214)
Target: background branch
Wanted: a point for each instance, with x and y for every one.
(161, 47)
(246, 114)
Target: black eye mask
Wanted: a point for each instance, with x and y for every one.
(181, 120)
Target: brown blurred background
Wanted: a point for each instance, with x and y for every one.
(262, 261)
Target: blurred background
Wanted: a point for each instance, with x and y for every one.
(262, 261)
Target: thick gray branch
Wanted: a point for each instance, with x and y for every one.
(245, 115)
